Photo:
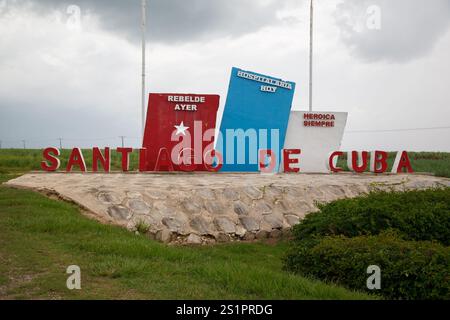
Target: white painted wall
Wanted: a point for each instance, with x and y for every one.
(316, 143)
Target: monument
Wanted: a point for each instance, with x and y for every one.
(258, 133)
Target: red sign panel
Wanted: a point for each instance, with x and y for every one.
(179, 131)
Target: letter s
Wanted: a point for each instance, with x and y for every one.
(51, 155)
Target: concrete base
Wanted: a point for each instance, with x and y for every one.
(209, 208)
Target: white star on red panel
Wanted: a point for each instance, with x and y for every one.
(181, 129)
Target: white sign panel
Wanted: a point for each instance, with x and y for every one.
(316, 134)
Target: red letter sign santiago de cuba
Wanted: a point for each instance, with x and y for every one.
(180, 135)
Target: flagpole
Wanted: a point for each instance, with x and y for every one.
(144, 22)
(311, 57)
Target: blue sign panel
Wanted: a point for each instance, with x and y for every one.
(255, 118)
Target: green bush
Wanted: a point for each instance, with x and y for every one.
(406, 234)
(409, 269)
(417, 215)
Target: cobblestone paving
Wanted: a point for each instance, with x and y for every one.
(210, 208)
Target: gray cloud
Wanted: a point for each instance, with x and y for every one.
(177, 20)
(409, 28)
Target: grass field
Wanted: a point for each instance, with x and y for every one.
(40, 238)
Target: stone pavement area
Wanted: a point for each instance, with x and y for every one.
(210, 208)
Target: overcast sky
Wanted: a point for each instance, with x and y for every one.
(81, 81)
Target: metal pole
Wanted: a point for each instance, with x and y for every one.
(311, 57)
(60, 143)
(144, 21)
(24, 144)
(0, 144)
(123, 138)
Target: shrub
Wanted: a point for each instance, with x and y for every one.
(409, 269)
(417, 215)
(142, 227)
